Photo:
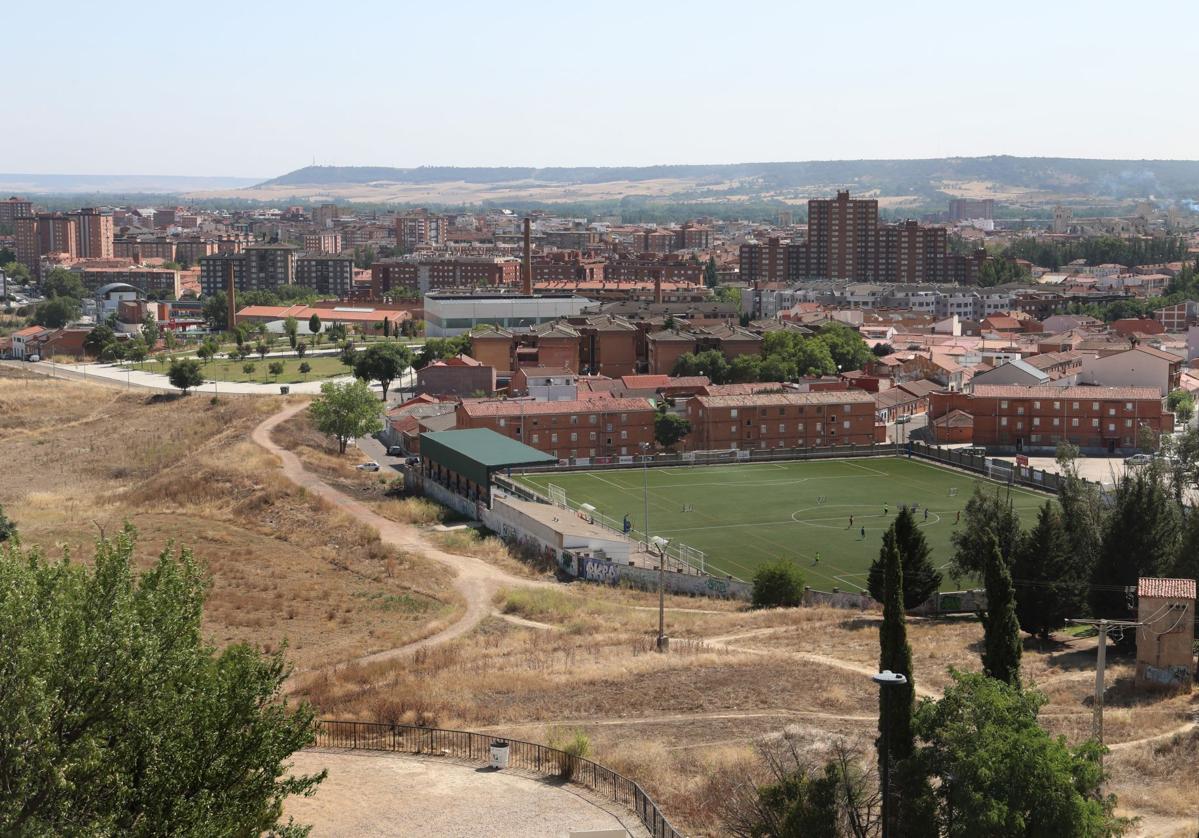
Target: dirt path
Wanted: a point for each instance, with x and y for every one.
(475, 580)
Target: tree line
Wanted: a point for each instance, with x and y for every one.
(1098, 250)
(786, 355)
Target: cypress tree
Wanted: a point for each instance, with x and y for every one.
(920, 578)
(1052, 578)
(1001, 646)
(895, 720)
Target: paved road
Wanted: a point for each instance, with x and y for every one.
(385, 795)
(124, 376)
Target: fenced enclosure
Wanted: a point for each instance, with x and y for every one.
(476, 747)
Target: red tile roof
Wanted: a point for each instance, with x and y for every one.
(769, 399)
(515, 407)
(1148, 586)
(1081, 393)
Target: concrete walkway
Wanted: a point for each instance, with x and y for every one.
(379, 795)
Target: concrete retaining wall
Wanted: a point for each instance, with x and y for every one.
(613, 573)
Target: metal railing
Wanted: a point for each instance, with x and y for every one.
(476, 747)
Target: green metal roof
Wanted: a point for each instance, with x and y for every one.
(476, 452)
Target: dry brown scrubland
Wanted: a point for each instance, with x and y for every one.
(684, 724)
(284, 566)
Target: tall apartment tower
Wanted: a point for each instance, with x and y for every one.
(95, 234)
(14, 208)
(842, 237)
(42, 234)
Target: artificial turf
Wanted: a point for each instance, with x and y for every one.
(743, 515)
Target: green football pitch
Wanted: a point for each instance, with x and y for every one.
(743, 515)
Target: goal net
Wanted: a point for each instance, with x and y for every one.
(999, 471)
(556, 494)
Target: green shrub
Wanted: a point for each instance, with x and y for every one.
(777, 584)
(575, 745)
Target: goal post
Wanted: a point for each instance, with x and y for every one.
(556, 494)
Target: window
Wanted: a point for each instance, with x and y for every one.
(1057, 405)
(832, 420)
(782, 428)
(536, 437)
(592, 418)
(1036, 421)
(503, 423)
(1128, 423)
(1074, 422)
(574, 437)
(1094, 423)
(1111, 411)
(624, 434)
(818, 427)
(1036, 405)
(1075, 406)
(1019, 411)
(1003, 404)
(1128, 405)
(593, 436)
(1095, 406)
(1111, 427)
(733, 413)
(553, 438)
(574, 419)
(845, 424)
(1003, 421)
(624, 418)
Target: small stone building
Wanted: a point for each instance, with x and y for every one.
(1165, 654)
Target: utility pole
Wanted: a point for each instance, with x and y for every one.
(1100, 664)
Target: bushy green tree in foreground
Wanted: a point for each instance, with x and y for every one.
(116, 718)
(777, 584)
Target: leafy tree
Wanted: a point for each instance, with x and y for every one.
(63, 283)
(117, 718)
(301, 349)
(305, 368)
(337, 332)
(1001, 272)
(1052, 578)
(386, 327)
(383, 363)
(98, 338)
(348, 355)
(1084, 518)
(185, 373)
(1002, 647)
(8, 530)
(216, 310)
(314, 323)
(150, 330)
(248, 369)
(846, 346)
(711, 275)
(436, 349)
(169, 340)
(136, 349)
(1141, 538)
(984, 516)
(113, 352)
(262, 348)
(921, 579)
(16, 272)
(670, 429)
(345, 411)
(813, 358)
(745, 368)
(275, 368)
(711, 363)
(777, 584)
(291, 328)
(1000, 775)
(56, 312)
(882, 350)
(1182, 404)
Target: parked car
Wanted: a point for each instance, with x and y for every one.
(33, 359)
(1138, 460)
(369, 466)
(413, 461)
(395, 451)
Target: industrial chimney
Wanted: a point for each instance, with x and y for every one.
(658, 285)
(231, 294)
(526, 267)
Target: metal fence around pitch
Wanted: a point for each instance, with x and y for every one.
(476, 747)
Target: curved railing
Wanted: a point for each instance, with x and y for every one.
(476, 747)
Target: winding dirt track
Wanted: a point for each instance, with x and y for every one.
(474, 579)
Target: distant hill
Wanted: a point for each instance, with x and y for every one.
(26, 184)
(922, 179)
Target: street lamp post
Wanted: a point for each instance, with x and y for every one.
(660, 543)
(886, 679)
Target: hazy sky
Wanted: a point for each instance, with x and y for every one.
(257, 88)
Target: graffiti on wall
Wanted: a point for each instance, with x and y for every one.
(1167, 676)
(598, 570)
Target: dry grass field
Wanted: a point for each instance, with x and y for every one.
(285, 565)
